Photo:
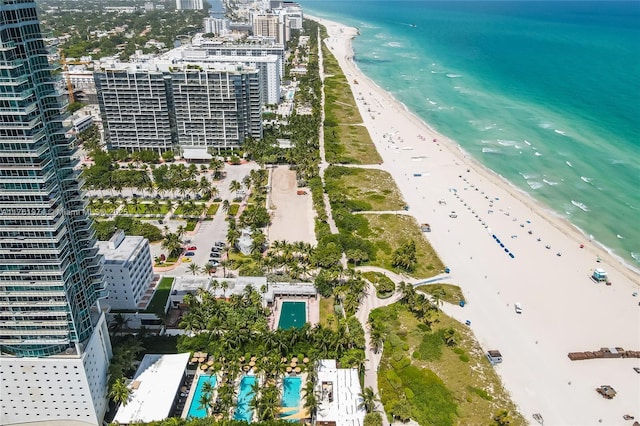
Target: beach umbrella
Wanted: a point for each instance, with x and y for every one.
(203, 366)
(283, 359)
(294, 359)
(298, 369)
(183, 389)
(246, 368)
(305, 360)
(201, 359)
(241, 359)
(253, 358)
(289, 369)
(194, 360)
(252, 363)
(210, 362)
(293, 364)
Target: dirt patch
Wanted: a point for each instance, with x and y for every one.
(291, 207)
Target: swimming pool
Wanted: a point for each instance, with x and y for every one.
(291, 94)
(291, 395)
(292, 315)
(243, 410)
(194, 407)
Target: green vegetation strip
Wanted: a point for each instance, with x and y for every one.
(346, 139)
(233, 209)
(437, 376)
(388, 232)
(363, 189)
(447, 292)
(383, 284)
(160, 297)
(327, 312)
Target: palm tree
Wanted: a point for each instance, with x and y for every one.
(369, 399)
(235, 186)
(180, 231)
(193, 268)
(225, 206)
(119, 392)
(172, 243)
(208, 268)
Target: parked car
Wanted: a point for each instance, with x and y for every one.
(214, 263)
(193, 248)
(214, 257)
(219, 244)
(189, 254)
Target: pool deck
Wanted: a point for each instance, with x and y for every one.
(312, 310)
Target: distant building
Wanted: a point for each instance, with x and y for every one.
(216, 26)
(271, 25)
(189, 4)
(339, 390)
(82, 123)
(128, 271)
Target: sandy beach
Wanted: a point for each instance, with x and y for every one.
(549, 274)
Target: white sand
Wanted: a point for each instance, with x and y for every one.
(292, 215)
(563, 310)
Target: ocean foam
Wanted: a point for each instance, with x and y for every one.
(534, 184)
(550, 183)
(560, 132)
(453, 75)
(490, 151)
(537, 154)
(394, 44)
(569, 164)
(585, 179)
(620, 237)
(527, 142)
(506, 142)
(528, 176)
(580, 205)
(636, 256)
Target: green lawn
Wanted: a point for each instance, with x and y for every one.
(233, 209)
(447, 292)
(443, 385)
(213, 209)
(326, 309)
(184, 209)
(370, 188)
(159, 300)
(389, 231)
(142, 208)
(105, 208)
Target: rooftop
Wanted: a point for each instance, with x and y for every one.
(154, 388)
(340, 395)
(119, 249)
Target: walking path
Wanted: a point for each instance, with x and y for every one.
(369, 303)
(323, 159)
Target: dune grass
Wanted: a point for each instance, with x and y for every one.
(443, 384)
(389, 231)
(448, 292)
(369, 189)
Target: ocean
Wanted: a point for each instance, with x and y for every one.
(546, 94)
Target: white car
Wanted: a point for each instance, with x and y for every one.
(518, 308)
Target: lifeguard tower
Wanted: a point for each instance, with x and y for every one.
(599, 275)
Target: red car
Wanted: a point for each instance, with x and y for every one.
(193, 248)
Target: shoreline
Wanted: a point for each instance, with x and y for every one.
(564, 311)
(561, 222)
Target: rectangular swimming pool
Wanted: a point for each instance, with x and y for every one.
(291, 387)
(292, 315)
(245, 395)
(194, 408)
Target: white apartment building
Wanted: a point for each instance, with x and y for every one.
(189, 4)
(217, 26)
(271, 25)
(128, 270)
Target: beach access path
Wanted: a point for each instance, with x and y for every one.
(563, 309)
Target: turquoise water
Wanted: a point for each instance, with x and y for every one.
(292, 315)
(245, 395)
(546, 94)
(194, 408)
(291, 387)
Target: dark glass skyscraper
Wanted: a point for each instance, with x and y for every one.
(50, 270)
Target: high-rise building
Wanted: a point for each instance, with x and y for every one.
(189, 4)
(272, 25)
(197, 105)
(134, 109)
(54, 343)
